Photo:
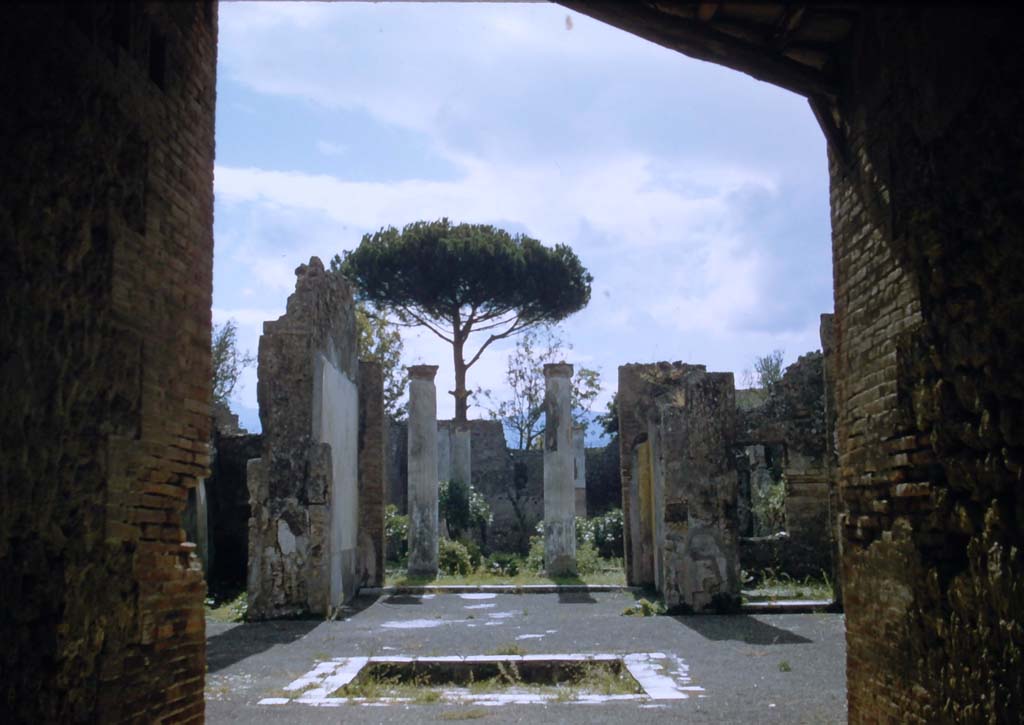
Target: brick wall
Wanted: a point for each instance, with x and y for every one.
(927, 221)
(106, 136)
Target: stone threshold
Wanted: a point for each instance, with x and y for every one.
(789, 606)
(496, 589)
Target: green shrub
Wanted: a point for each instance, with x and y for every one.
(475, 556)
(453, 558)
(500, 564)
(463, 508)
(588, 561)
(396, 533)
(607, 533)
(535, 557)
(768, 505)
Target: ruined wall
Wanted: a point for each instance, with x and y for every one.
(396, 464)
(228, 507)
(106, 141)
(693, 430)
(677, 428)
(493, 475)
(604, 489)
(790, 421)
(638, 387)
(303, 488)
(927, 221)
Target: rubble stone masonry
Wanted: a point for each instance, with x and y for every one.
(303, 489)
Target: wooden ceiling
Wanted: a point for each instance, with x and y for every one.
(792, 45)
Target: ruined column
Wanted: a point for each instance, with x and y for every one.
(423, 523)
(579, 468)
(559, 492)
(461, 453)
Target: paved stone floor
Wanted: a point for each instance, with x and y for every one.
(751, 668)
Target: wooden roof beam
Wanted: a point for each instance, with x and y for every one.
(702, 41)
(787, 25)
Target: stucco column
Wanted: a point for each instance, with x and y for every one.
(579, 469)
(559, 492)
(461, 453)
(422, 471)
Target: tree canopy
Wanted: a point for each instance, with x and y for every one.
(461, 279)
(228, 361)
(523, 412)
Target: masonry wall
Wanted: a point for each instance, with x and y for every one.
(790, 424)
(692, 433)
(639, 385)
(303, 489)
(228, 508)
(927, 227)
(106, 143)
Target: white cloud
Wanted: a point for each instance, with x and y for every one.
(571, 136)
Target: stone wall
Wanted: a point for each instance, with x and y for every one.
(604, 489)
(228, 510)
(927, 222)
(396, 465)
(106, 140)
(679, 483)
(303, 488)
(790, 420)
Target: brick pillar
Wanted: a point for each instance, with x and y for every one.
(372, 432)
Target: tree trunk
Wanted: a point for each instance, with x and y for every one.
(460, 392)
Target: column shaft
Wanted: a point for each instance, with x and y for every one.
(423, 524)
(559, 491)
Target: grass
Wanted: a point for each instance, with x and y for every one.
(596, 678)
(644, 608)
(772, 585)
(472, 714)
(614, 574)
(229, 605)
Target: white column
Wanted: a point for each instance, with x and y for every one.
(423, 524)
(559, 492)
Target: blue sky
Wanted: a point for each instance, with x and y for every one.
(696, 196)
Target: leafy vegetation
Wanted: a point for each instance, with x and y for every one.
(644, 608)
(227, 606)
(463, 508)
(768, 506)
(461, 279)
(523, 412)
(396, 533)
(453, 558)
(769, 584)
(228, 361)
(604, 532)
